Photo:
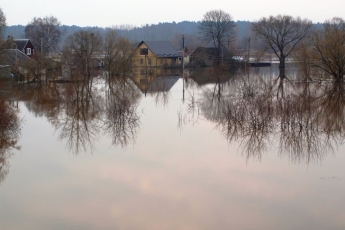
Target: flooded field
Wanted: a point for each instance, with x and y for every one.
(157, 151)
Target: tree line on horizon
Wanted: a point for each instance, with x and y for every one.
(162, 31)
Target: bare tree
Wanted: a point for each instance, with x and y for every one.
(2, 23)
(328, 51)
(44, 33)
(112, 50)
(217, 27)
(3, 43)
(118, 53)
(282, 34)
(80, 54)
(10, 132)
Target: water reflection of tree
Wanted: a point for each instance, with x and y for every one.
(80, 116)
(10, 131)
(300, 129)
(121, 120)
(42, 99)
(305, 120)
(79, 125)
(246, 116)
(193, 113)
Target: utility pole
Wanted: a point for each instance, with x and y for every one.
(248, 48)
(16, 55)
(248, 56)
(182, 54)
(222, 53)
(183, 67)
(41, 47)
(183, 41)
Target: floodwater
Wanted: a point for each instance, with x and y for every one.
(158, 152)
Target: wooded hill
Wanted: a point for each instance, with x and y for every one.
(167, 31)
(162, 31)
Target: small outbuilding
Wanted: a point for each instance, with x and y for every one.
(208, 56)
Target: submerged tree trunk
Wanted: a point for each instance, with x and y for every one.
(340, 78)
(282, 67)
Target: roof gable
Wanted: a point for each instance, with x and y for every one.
(21, 43)
(161, 48)
(10, 56)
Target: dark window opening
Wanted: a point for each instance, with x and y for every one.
(144, 51)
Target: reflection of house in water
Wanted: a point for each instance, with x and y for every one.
(151, 80)
(155, 53)
(203, 76)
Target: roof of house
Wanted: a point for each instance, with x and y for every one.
(21, 43)
(161, 48)
(10, 56)
(208, 51)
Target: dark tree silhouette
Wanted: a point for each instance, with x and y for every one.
(217, 27)
(328, 51)
(282, 33)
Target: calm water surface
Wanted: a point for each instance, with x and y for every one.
(182, 155)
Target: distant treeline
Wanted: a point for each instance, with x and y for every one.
(162, 31)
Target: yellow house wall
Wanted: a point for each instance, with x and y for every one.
(155, 61)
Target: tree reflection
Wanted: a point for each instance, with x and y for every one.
(193, 113)
(300, 129)
(246, 116)
(10, 131)
(332, 105)
(81, 115)
(79, 123)
(121, 120)
(306, 120)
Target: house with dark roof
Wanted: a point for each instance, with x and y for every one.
(25, 46)
(15, 61)
(208, 56)
(155, 54)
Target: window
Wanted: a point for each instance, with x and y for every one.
(141, 61)
(144, 51)
(149, 61)
(28, 51)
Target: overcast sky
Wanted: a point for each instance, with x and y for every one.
(106, 13)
